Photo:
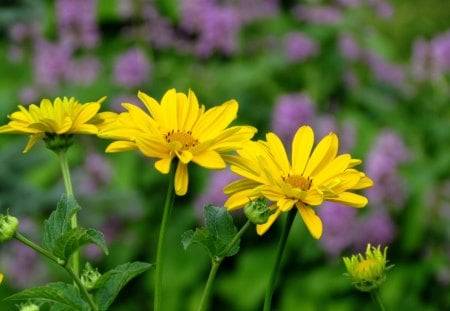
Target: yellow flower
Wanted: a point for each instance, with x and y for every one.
(179, 128)
(1, 278)
(52, 120)
(367, 273)
(312, 176)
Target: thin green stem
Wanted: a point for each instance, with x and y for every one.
(83, 289)
(377, 298)
(39, 249)
(170, 197)
(69, 191)
(277, 266)
(60, 262)
(215, 266)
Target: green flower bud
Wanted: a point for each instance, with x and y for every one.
(29, 306)
(57, 142)
(367, 273)
(258, 211)
(90, 276)
(8, 227)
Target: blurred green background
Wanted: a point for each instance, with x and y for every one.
(374, 71)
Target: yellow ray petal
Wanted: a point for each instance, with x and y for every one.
(239, 199)
(120, 146)
(184, 156)
(261, 229)
(312, 221)
(209, 159)
(335, 167)
(33, 139)
(87, 112)
(324, 153)
(151, 146)
(163, 165)
(313, 197)
(301, 149)
(239, 185)
(181, 179)
(279, 153)
(169, 110)
(152, 106)
(285, 204)
(350, 199)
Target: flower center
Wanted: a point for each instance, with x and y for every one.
(298, 181)
(185, 139)
(364, 267)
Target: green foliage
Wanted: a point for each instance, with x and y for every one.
(217, 234)
(65, 296)
(110, 283)
(71, 241)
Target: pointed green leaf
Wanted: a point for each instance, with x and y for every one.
(73, 239)
(109, 284)
(59, 221)
(65, 295)
(217, 234)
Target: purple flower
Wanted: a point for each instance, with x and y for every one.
(319, 15)
(385, 72)
(83, 70)
(346, 131)
(299, 47)
(339, 222)
(132, 68)
(290, 112)
(349, 48)
(440, 46)
(377, 228)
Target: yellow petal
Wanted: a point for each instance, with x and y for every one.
(33, 139)
(88, 111)
(120, 146)
(261, 229)
(181, 179)
(364, 182)
(312, 221)
(324, 153)
(184, 156)
(152, 106)
(279, 153)
(169, 110)
(238, 199)
(285, 204)
(301, 149)
(239, 185)
(163, 165)
(209, 159)
(151, 146)
(350, 199)
(192, 114)
(313, 197)
(335, 167)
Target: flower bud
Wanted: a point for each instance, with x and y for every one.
(1, 278)
(89, 276)
(8, 227)
(29, 306)
(367, 273)
(258, 211)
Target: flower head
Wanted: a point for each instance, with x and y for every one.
(55, 122)
(367, 273)
(309, 179)
(8, 227)
(1, 278)
(178, 127)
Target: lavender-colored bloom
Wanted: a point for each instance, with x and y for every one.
(132, 68)
(349, 48)
(213, 194)
(50, 63)
(83, 70)
(440, 46)
(28, 95)
(299, 47)
(421, 59)
(388, 152)
(339, 222)
(290, 112)
(77, 23)
(345, 131)
(319, 15)
(253, 10)
(385, 72)
(377, 228)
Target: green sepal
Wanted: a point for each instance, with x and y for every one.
(62, 294)
(216, 235)
(109, 284)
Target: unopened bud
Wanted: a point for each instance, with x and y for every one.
(258, 211)
(29, 306)
(90, 276)
(8, 227)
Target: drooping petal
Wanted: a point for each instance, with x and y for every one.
(181, 179)
(301, 149)
(261, 229)
(163, 165)
(33, 139)
(120, 146)
(350, 199)
(312, 221)
(184, 156)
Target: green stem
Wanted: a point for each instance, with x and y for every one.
(69, 191)
(216, 264)
(60, 262)
(170, 197)
(39, 249)
(377, 298)
(277, 267)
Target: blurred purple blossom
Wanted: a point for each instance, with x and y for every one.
(384, 71)
(97, 173)
(83, 70)
(77, 23)
(339, 222)
(382, 163)
(376, 228)
(348, 47)
(346, 131)
(299, 47)
(319, 15)
(290, 112)
(112, 227)
(132, 68)
(440, 46)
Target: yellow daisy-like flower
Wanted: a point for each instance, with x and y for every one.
(312, 176)
(179, 128)
(50, 120)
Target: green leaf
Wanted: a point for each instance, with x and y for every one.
(58, 222)
(109, 284)
(72, 240)
(217, 234)
(64, 295)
